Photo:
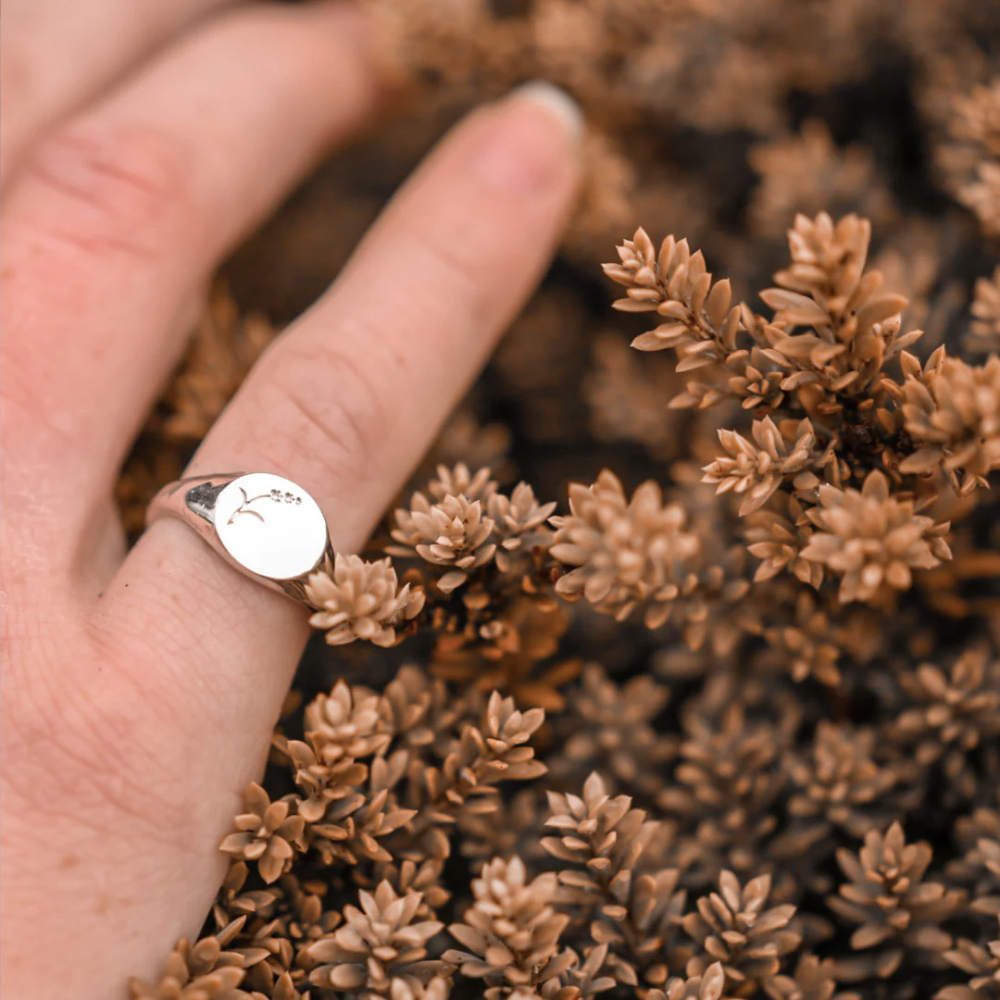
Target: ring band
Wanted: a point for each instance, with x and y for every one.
(266, 526)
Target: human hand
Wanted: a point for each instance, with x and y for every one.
(140, 690)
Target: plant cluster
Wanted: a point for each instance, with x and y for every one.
(695, 865)
(726, 722)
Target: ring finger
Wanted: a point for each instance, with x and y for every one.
(344, 403)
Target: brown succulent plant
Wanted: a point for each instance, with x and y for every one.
(737, 653)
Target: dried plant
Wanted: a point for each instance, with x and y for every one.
(979, 867)
(960, 707)
(954, 419)
(895, 908)
(644, 729)
(755, 469)
(377, 947)
(609, 727)
(984, 331)
(224, 347)
(207, 970)
(973, 162)
(360, 600)
(626, 400)
(453, 532)
(629, 554)
(981, 964)
(636, 915)
(872, 541)
(808, 644)
(806, 172)
(814, 979)
(511, 932)
(731, 926)
(727, 784)
(839, 784)
(268, 832)
(710, 986)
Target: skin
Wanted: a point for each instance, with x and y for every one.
(140, 688)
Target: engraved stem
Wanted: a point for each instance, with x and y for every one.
(244, 508)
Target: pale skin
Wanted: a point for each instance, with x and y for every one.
(140, 688)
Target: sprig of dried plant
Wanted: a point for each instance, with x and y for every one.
(896, 908)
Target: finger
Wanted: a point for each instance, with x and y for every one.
(346, 401)
(344, 404)
(57, 54)
(352, 394)
(120, 216)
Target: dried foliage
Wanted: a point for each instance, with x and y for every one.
(805, 172)
(377, 949)
(511, 932)
(896, 909)
(973, 162)
(268, 832)
(733, 927)
(726, 724)
(360, 600)
(984, 330)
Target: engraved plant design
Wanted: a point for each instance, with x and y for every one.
(276, 495)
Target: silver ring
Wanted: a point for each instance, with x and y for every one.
(266, 526)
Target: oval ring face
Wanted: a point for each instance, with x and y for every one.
(270, 526)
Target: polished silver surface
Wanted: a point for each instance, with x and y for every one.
(265, 525)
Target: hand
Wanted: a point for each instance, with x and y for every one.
(140, 690)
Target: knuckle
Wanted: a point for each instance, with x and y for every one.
(329, 411)
(458, 266)
(109, 189)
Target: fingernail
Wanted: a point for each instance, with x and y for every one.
(556, 102)
(522, 151)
